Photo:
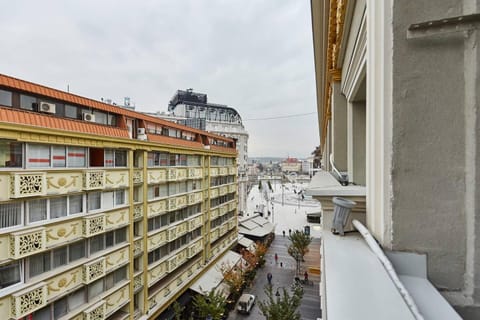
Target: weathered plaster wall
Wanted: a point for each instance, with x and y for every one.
(428, 142)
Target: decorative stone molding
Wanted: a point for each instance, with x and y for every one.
(26, 243)
(157, 208)
(156, 176)
(94, 179)
(213, 172)
(138, 282)
(137, 247)
(93, 225)
(172, 264)
(138, 211)
(171, 174)
(232, 188)
(214, 214)
(29, 300)
(172, 204)
(137, 176)
(181, 174)
(93, 270)
(61, 183)
(223, 171)
(214, 193)
(95, 312)
(181, 202)
(172, 233)
(223, 190)
(116, 179)
(232, 171)
(28, 184)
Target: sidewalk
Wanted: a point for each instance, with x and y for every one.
(283, 274)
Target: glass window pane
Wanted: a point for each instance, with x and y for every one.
(100, 117)
(77, 250)
(60, 308)
(94, 200)
(58, 156)
(38, 156)
(37, 210)
(120, 274)
(120, 158)
(5, 98)
(43, 314)
(39, 263)
(97, 243)
(60, 257)
(76, 299)
(10, 214)
(76, 157)
(58, 207)
(109, 281)
(95, 289)
(27, 102)
(107, 200)
(120, 235)
(119, 197)
(75, 204)
(11, 155)
(109, 239)
(109, 157)
(9, 274)
(71, 111)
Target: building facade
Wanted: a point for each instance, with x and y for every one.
(194, 110)
(291, 165)
(398, 103)
(105, 213)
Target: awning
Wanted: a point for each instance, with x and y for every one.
(246, 243)
(255, 226)
(213, 278)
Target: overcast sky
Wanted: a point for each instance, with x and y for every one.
(253, 55)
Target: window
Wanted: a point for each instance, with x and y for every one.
(112, 120)
(10, 274)
(37, 210)
(39, 264)
(27, 102)
(97, 243)
(5, 98)
(71, 111)
(76, 299)
(76, 250)
(109, 158)
(10, 214)
(75, 204)
(119, 197)
(94, 289)
(58, 156)
(100, 117)
(60, 257)
(58, 207)
(120, 158)
(11, 155)
(76, 157)
(94, 201)
(38, 156)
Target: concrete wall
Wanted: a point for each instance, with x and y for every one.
(429, 144)
(356, 142)
(339, 128)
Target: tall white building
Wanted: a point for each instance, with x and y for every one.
(192, 109)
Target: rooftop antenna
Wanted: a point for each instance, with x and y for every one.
(68, 88)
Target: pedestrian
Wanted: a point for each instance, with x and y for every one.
(289, 232)
(276, 258)
(283, 233)
(306, 276)
(269, 278)
(281, 264)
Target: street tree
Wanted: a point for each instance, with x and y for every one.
(212, 304)
(298, 247)
(281, 305)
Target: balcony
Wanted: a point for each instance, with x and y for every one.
(171, 174)
(115, 219)
(28, 184)
(94, 270)
(115, 259)
(64, 182)
(156, 176)
(181, 174)
(26, 243)
(156, 208)
(95, 312)
(28, 300)
(93, 179)
(116, 300)
(157, 240)
(116, 179)
(138, 211)
(94, 225)
(64, 282)
(137, 176)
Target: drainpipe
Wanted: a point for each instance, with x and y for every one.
(372, 243)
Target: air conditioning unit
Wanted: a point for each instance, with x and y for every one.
(140, 131)
(88, 117)
(46, 107)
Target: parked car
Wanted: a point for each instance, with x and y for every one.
(245, 303)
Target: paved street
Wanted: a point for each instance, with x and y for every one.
(283, 274)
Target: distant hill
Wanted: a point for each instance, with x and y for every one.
(266, 159)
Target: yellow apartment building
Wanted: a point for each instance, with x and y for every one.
(105, 213)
